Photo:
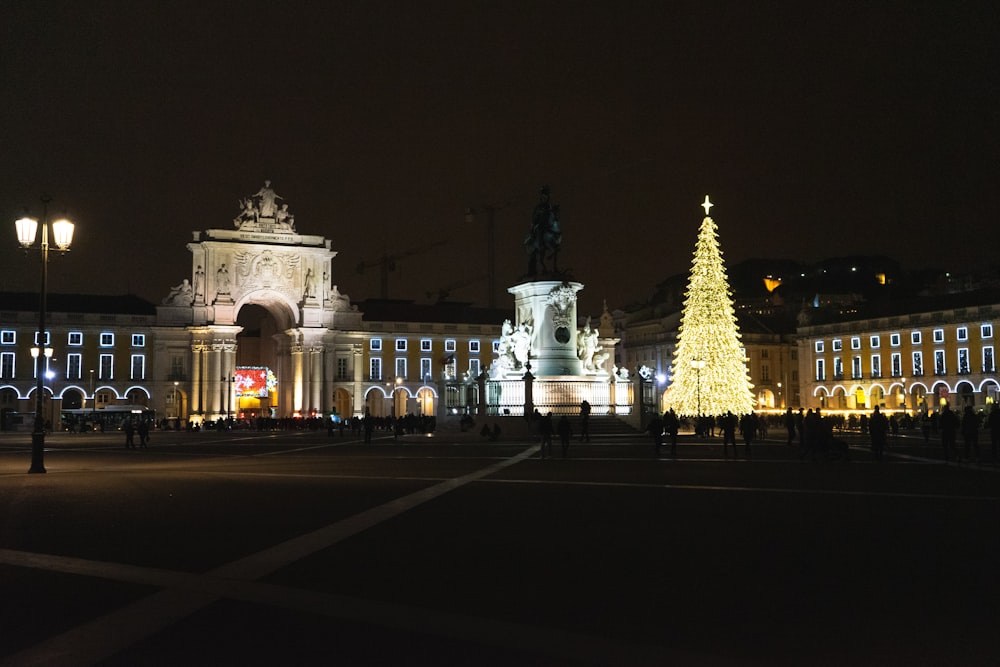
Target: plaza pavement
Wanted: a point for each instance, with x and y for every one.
(297, 548)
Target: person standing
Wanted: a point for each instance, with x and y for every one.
(143, 432)
(545, 430)
(790, 426)
(728, 424)
(585, 421)
(993, 424)
(748, 428)
(369, 426)
(655, 430)
(565, 431)
(129, 428)
(970, 432)
(878, 429)
(948, 423)
(671, 424)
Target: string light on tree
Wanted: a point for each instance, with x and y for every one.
(710, 373)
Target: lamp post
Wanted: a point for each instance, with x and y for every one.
(697, 365)
(93, 401)
(62, 232)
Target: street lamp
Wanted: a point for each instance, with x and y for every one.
(697, 365)
(62, 233)
(93, 401)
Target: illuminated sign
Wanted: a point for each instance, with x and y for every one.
(255, 381)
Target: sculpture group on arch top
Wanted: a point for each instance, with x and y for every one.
(264, 253)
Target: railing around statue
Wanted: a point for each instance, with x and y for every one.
(561, 397)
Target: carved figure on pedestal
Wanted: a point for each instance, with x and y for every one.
(222, 279)
(248, 214)
(284, 217)
(266, 203)
(505, 347)
(310, 284)
(544, 238)
(521, 340)
(181, 295)
(199, 282)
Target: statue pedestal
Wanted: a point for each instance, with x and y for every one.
(549, 306)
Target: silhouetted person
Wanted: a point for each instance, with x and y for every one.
(129, 434)
(585, 421)
(993, 424)
(545, 430)
(728, 425)
(143, 432)
(748, 427)
(369, 425)
(878, 429)
(948, 422)
(671, 424)
(790, 425)
(970, 432)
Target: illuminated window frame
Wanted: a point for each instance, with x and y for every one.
(962, 334)
(895, 340)
(7, 361)
(474, 346)
(138, 340)
(74, 366)
(107, 339)
(838, 368)
(400, 345)
(74, 338)
(474, 367)
(876, 362)
(964, 366)
(855, 342)
(875, 342)
(375, 368)
(401, 367)
(449, 345)
(917, 364)
(820, 370)
(819, 346)
(48, 338)
(137, 367)
(940, 363)
(896, 364)
(375, 345)
(426, 344)
(106, 367)
(986, 331)
(837, 345)
(989, 361)
(426, 370)
(938, 336)
(915, 337)
(8, 337)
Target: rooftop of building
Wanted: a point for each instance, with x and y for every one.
(447, 312)
(122, 304)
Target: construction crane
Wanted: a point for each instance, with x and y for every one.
(387, 262)
(443, 293)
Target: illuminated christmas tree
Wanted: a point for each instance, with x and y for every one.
(710, 375)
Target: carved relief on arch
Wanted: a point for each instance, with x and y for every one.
(267, 270)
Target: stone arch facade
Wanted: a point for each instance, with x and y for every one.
(264, 262)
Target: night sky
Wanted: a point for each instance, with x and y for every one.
(818, 129)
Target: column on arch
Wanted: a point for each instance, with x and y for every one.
(197, 379)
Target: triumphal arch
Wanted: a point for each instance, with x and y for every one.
(259, 296)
